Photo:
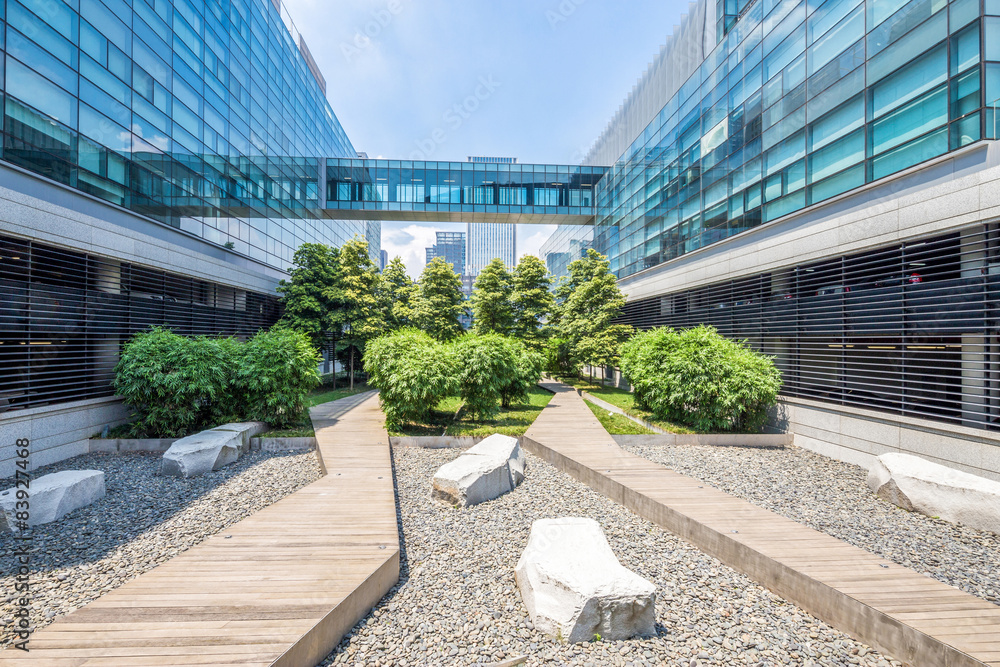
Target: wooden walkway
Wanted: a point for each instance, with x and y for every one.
(915, 619)
(280, 587)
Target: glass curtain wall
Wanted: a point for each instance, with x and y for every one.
(800, 101)
(182, 111)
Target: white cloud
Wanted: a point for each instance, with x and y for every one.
(531, 237)
(409, 241)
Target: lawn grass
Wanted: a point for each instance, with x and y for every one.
(321, 394)
(513, 421)
(616, 424)
(624, 400)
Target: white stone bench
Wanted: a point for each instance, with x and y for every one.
(208, 450)
(52, 497)
(921, 486)
(575, 588)
(483, 472)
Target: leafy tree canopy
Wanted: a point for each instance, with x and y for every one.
(438, 302)
(313, 292)
(492, 309)
(532, 300)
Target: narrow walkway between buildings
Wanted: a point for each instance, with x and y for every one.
(280, 587)
(913, 618)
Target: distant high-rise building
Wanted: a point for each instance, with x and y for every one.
(451, 247)
(488, 241)
(383, 260)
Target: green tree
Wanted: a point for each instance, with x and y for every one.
(313, 292)
(396, 295)
(438, 302)
(532, 300)
(588, 312)
(413, 373)
(359, 319)
(492, 310)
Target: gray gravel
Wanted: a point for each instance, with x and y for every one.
(833, 497)
(457, 602)
(143, 521)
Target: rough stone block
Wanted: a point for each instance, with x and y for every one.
(575, 588)
(484, 472)
(246, 429)
(205, 451)
(53, 496)
(921, 486)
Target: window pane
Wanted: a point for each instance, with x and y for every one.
(913, 153)
(837, 123)
(912, 120)
(908, 48)
(834, 42)
(909, 82)
(837, 156)
(40, 93)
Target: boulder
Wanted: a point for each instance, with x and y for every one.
(921, 486)
(575, 588)
(247, 430)
(484, 472)
(208, 450)
(52, 497)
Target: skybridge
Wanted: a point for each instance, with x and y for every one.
(428, 191)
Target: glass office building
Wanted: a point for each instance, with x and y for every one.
(799, 101)
(208, 117)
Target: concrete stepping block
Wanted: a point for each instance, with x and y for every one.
(208, 450)
(574, 587)
(52, 497)
(918, 485)
(483, 472)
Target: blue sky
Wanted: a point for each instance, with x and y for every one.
(547, 76)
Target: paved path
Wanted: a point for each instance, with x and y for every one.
(282, 590)
(917, 620)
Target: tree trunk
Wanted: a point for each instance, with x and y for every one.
(352, 368)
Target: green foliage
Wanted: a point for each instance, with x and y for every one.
(175, 384)
(492, 310)
(313, 292)
(699, 378)
(438, 302)
(179, 385)
(588, 304)
(558, 359)
(412, 372)
(277, 370)
(358, 318)
(396, 294)
(532, 300)
(484, 364)
(527, 373)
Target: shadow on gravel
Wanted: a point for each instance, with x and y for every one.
(137, 500)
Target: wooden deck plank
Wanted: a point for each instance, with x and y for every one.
(917, 620)
(280, 587)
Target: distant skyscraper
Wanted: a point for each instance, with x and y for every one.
(450, 246)
(488, 241)
(383, 260)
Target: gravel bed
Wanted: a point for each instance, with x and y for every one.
(833, 497)
(143, 520)
(457, 601)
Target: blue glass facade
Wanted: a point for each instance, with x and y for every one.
(801, 100)
(183, 111)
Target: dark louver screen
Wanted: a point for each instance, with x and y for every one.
(64, 316)
(909, 329)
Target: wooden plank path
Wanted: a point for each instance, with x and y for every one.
(280, 587)
(915, 619)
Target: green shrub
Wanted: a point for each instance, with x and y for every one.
(527, 372)
(697, 377)
(176, 385)
(486, 365)
(412, 371)
(559, 357)
(276, 371)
